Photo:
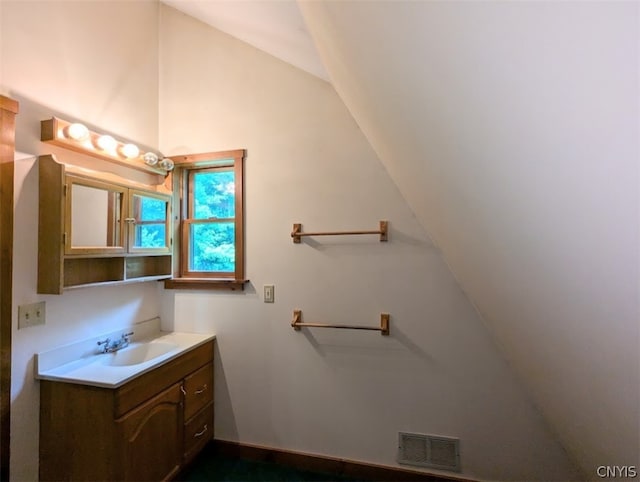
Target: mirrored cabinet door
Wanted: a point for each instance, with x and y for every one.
(94, 221)
(148, 222)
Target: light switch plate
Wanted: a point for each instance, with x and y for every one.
(31, 315)
(269, 293)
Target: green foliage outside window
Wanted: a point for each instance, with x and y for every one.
(214, 195)
(213, 247)
(150, 234)
(213, 243)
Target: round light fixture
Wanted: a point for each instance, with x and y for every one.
(166, 164)
(150, 159)
(106, 143)
(77, 132)
(130, 151)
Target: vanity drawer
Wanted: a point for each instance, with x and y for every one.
(198, 431)
(142, 388)
(198, 389)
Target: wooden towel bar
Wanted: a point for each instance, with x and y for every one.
(297, 324)
(297, 233)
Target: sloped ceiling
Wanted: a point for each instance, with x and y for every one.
(276, 27)
(511, 128)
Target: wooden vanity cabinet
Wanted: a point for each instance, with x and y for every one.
(144, 430)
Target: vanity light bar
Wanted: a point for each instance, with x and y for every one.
(79, 138)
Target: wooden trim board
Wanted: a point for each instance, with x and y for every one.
(8, 111)
(320, 463)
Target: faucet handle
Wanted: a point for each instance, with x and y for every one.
(105, 342)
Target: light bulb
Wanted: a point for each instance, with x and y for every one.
(150, 159)
(166, 164)
(130, 151)
(106, 143)
(77, 132)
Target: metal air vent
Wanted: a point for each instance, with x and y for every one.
(433, 451)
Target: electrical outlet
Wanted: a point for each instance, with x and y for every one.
(31, 315)
(269, 294)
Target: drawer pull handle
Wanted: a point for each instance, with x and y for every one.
(202, 390)
(183, 390)
(202, 432)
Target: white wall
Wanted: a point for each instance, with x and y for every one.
(338, 393)
(96, 62)
(512, 130)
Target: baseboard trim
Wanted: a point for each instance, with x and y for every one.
(321, 463)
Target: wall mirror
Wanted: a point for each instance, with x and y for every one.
(149, 221)
(94, 221)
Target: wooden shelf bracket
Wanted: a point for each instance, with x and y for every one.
(297, 233)
(297, 324)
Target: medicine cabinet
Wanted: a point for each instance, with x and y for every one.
(96, 228)
(103, 218)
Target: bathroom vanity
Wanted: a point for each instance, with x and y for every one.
(138, 414)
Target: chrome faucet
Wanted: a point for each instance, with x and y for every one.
(109, 346)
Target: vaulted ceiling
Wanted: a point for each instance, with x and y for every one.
(276, 27)
(511, 128)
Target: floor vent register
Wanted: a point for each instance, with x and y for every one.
(436, 452)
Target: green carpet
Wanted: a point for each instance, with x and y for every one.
(212, 467)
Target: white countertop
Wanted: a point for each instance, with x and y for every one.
(81, 363)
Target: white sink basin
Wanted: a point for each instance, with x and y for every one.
(138, 353)
(79, 363)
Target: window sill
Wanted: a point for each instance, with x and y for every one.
(205, 284)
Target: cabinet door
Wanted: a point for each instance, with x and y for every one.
(149, 222)
(93, 217)
(152, 436)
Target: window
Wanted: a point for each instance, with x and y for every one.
(208, 191)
